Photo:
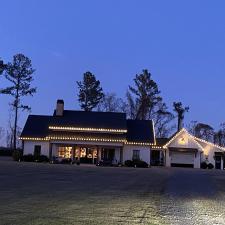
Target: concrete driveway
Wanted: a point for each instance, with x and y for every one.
(35, 194)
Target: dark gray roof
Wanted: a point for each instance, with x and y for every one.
(140, 131)
(107, 120)
(161, 141)
(36, 126)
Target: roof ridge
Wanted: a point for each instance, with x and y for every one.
(69, 110)
(40, 115)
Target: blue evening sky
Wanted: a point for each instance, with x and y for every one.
(182, 43)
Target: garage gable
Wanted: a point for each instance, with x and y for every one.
(183, 140)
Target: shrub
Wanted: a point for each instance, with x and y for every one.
(136, 163)
(140, 164)
(28, 158)
(66, 161)
(43, 158)
(129, 163)
(6, 151)
(17, 155)
(210, 166)
(204, 165)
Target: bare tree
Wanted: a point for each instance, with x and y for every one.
(191, 127)
(2, 134)
(2, 66)
(111, 103)
(163, 120)
(201, 130)
(10, 131)
(219, 136)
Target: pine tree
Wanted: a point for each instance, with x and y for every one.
(2, 66)
(19, 74)
(145, 94)
(90, 92)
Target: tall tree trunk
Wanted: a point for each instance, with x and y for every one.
(180, 123)
(15, 126)
(16, 116)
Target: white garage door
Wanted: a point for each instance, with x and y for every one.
(182, 158)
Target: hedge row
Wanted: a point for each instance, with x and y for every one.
(18, 156)
(136, 163)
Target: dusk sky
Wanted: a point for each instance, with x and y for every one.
(182, 43)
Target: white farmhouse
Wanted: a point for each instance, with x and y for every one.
(90, 137)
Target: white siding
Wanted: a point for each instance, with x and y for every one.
(209, 152)
(184, 140)
(197, 162)
(188, 141)
(29, 147)
(144, 152)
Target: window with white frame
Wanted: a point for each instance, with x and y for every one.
(37, 150)
(136, 155)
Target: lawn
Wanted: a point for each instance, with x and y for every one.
(35, 194)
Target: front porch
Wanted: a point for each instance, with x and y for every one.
(86, 153)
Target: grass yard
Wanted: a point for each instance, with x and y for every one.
(39, 194)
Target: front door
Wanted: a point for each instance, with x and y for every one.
(155, 158)
(218, 162)
(108, 154)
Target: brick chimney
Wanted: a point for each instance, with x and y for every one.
(59, 107)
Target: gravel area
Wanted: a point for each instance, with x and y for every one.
(39, 194)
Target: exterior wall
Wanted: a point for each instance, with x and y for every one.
(187, 143)
(168, 161)
(209, 153)
(184, 140)
(144, 152)
(197, 160)
(29, 147)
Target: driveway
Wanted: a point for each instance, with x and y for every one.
(35, 194)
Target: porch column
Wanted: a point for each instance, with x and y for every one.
(50, 151)
(73, 152)
(98, 154)
(78, 158)
(121, 155)
(93, 159)
(222, 162)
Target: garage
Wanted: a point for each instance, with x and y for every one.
(182, 159)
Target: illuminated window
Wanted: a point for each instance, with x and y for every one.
(88, 153)
(77, 153)
(82, 152)
(65, 152)
(95, 153)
